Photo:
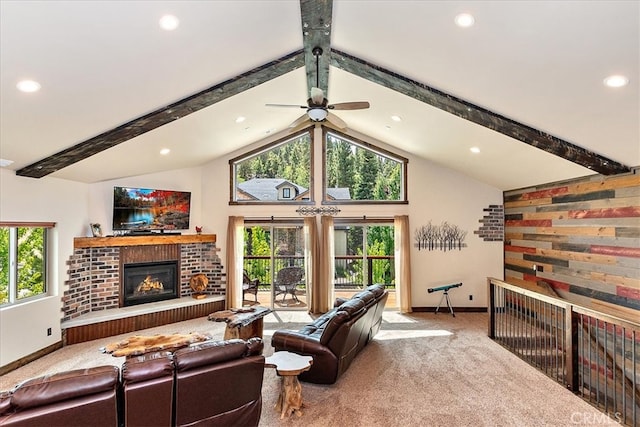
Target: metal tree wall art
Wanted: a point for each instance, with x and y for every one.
(440, 237)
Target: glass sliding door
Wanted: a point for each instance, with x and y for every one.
(274, 263)
(363, 256)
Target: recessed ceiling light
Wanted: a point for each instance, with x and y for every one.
(464, 20)
(387, 127)
(616, 81)
(240, 119)
(396, 118)
(28, 86)
(165, 151)
(169, 22)
(4, 163)
(475, 150)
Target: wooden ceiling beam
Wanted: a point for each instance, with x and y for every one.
(316, 32)
(476, 114)
(164, 115)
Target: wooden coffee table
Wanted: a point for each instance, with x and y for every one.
(288, 366)
(242, 323)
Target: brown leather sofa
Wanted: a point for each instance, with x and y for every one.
(212, 383)
(335, 338)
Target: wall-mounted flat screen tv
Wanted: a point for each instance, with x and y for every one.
(149, 209)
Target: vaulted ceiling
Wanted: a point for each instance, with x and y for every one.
(524, 84)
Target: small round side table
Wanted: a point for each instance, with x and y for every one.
(288, 366)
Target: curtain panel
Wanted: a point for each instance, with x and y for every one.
(234, 258)
(402, 262)
(323, 290)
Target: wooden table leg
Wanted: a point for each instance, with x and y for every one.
(290, 399)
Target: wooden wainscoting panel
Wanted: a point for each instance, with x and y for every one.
(83, 333)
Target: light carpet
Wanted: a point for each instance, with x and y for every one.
(422, 369)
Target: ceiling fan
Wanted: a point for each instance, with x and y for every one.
(318, 106)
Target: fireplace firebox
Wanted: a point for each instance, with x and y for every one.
(149, 282)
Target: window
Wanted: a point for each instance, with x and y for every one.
(280, 172)
(274, 257)
(23, 261)
(364, 255)
(358, 172)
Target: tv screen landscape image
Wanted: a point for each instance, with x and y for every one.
(150, 209)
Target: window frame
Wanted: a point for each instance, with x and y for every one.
(13, 291)
(234, 163)
(365, 146)
(365, 223)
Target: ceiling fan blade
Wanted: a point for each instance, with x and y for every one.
(299, 121)
(336, 121)
(285, 105)
(358, 105)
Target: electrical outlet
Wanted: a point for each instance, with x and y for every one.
(470, 297)
(48, 331)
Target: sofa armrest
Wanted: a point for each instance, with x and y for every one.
(297, 342)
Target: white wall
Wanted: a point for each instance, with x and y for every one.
(23, 327)
(438, 194)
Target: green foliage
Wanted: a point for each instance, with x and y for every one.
(4, 265)
(30, 255)
(290, 161)
(369, 176)
(257, 242)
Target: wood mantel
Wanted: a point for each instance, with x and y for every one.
(159, 239)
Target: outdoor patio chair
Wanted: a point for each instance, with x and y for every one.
(249, 285)
(286, 281)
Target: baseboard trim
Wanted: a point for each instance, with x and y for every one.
(30, 358)
(446, 309)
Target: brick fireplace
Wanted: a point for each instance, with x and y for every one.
(97, 273)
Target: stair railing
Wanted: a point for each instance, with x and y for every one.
(594, 354)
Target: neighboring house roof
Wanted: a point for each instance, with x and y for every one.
(340, 193)
(266, 189)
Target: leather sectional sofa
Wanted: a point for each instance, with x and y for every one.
(335, 338)
(212, 383)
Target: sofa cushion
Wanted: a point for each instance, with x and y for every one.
(367, 297)
(61, 386)
(147, 367)
(377, 290)
(332, 326)
(351, 307)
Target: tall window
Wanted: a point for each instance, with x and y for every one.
(281, 172)
(363, 255)
(359, 172)
(23, 261)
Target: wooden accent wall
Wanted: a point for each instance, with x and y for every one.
(581, 237)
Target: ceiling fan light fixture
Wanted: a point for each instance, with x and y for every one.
(317, 114)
